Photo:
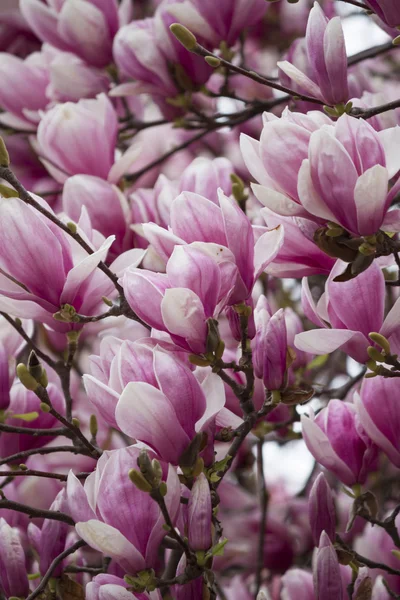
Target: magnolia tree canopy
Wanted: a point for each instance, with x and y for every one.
(199, 300)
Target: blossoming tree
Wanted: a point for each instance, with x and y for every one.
(199, 269)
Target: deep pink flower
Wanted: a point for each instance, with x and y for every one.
(337, 441)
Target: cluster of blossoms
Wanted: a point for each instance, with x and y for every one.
(199, 269)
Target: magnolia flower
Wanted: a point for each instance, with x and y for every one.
(326, 66)
(337, 441)
(120, 533)
(347, 313)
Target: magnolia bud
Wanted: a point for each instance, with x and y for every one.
(184, 36)
(26, 378)
(93, 427)
(321, 510)
(381, 341)
(139, 481)
(4, 156)
(213, 61)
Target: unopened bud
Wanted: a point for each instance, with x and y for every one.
(144, 464)
(4, 156)
(372, 366)
(163, 488)
(8, 192)
(184, 36)
(43, 379)
(107, 301)
(188, 458)
(26, 378)
(45, 407)
(381, 341)
(375, 354)
(213, 338)
(34, 366)
(157, 470)
(276, 396)
(139, 481)
(198, 361)
(72, 227)
(23, 467)
(366, 249)
(220, 349)
(213, 61)
(75, 422)
(93, 427)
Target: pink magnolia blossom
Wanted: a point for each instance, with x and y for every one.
(167, 416)
(119, 363)
(71, 78)
(223, 223)
(138, 54)
(70, 135)
(204, 176)
(326, 58)
(337, 441)
(106, 205)
(321, 510)
(197, 286)
(379, 415)
(298, 256)
(347, 313)
(23, 93)
(275, 160)
(13, 576)
(111, 587)
(377, 545)
(297, 584)
(200, 515)
(84, 27)
(387, 10)
(49, 540)
(226, 24)
(327, 579)
(309, 184)
(121, 534)
(270, 345)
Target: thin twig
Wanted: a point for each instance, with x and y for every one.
(372, 564)
(370, 53)
(18, 327)
(263, 496)
(37, 513)
(46, 578)
(201, 51)
(42, 451)
(42, 394)
(34, 473)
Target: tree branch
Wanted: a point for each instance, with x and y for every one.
(46, 578)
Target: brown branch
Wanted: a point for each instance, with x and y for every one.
(366, 561)
(35, 432)
(360, 113)
(263, 496)
(42, 394)
(18, 327)
(34, 473)
(201, 51)
(46, 450)
(370, 53)
(36, 513)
